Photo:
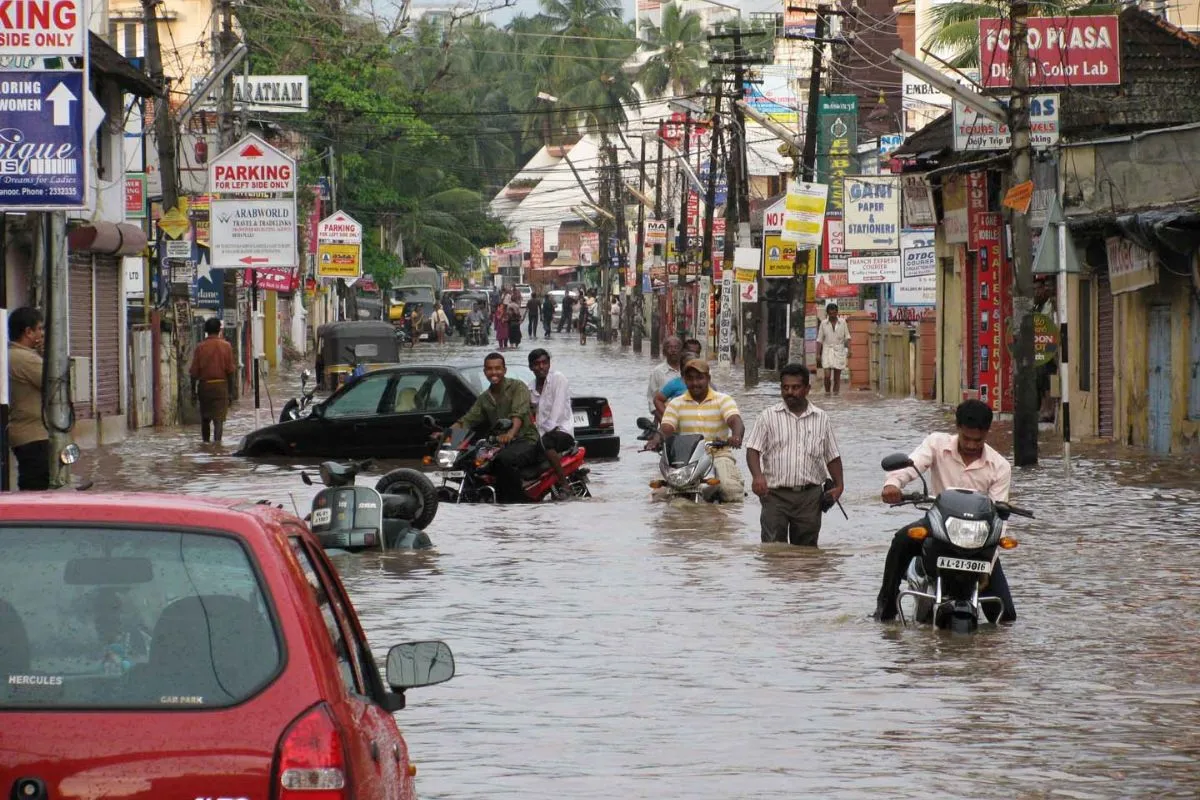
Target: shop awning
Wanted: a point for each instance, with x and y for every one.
(1176, 228)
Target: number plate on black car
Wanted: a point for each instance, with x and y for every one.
(964, 564)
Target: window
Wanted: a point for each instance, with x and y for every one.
(347, 668)
(130, 618)
(361, 399)
(1084, 335)
(1194, 359)
(420, 393)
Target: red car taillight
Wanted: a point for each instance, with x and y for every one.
(606, 419)
(311, 759)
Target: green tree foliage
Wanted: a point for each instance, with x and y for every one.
(679, 63)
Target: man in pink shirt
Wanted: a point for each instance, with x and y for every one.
(961, 461)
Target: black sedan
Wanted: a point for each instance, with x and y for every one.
(380, 415)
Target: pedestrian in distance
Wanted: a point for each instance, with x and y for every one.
(532, 313)
(441, 324)
(547, 314)
(500, 323)
(790, 451)
(212, 373)
(833, 348)
(514, 311)
(568, 308)
(27, 434)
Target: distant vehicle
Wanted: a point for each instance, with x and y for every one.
(381, 415)
(208, 648)
(524, 290)
(422, 276)
(403, 298)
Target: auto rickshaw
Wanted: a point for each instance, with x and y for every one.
(348, 348)
(467, 301)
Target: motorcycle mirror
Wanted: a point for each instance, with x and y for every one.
(429, 422)
(645, 423)
(307, 480)
(895, 461)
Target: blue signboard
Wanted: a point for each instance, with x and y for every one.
(207, 288)
(43, 149)
(722, 190)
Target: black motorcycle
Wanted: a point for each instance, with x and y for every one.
(391, 516)
(962, 536)
(295, 407)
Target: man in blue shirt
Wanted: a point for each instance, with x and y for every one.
(676, 386)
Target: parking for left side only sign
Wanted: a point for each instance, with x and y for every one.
(42, 153)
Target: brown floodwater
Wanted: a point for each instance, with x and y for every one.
(620, 647)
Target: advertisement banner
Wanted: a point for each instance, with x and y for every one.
(773, 94)
(977, 206)
(917, 194)
(537, 248)
(1130, 267)
(974, 131)
(872, 212)
(995, 310)
(135, 195)
(804, 213)
(833, 246)
(277, 280)
(874, 268)
(253, 233)
(339, 260)
(833, 285)
(1063, 51)
(779, 257)
(837, 141)
(44, 161)
(955, 225)
(918, 285)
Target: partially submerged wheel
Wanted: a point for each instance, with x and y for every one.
(412, 482)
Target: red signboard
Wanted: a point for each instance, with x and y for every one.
(977, 206)
(833, 246)
(834, 284)
(1063, 51)
(995, 315)
(277, 280)
(537, 248)
(135, 196)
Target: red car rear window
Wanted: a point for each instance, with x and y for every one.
(106, 617)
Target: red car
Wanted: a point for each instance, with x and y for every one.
(155, 646)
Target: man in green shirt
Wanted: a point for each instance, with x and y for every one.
(505, 398)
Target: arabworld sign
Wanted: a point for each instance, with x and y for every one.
(1063, 51)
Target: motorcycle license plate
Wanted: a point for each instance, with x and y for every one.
(454, 473)
(580, 419)
(964, 564)
(321, 516)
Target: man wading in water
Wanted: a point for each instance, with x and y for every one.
(212, 374)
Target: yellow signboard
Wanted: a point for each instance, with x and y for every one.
(778, 257)
(339, 260)
(746, 275)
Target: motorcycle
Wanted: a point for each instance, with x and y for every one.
(391, 516)
(964, 533)
(402, 336)
(686, 464)
(476, 334)
(295, 407)
(464, 461)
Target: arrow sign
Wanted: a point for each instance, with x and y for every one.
(252, 260)
(60, 99)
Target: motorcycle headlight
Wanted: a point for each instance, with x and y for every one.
(446, 458)
(681, 476)
(969, 534)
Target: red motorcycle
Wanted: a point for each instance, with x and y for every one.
(464, 461)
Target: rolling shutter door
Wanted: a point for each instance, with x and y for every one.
(108, 335)
(79, 288)
(1105, 356)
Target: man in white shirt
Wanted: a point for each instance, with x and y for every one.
(790, 452)
(833, 347)
(962, 461)
(550, 396)
(672, 348)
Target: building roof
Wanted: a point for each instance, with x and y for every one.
(1160, 70)
(108, 62)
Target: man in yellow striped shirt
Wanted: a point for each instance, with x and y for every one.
(713, 415)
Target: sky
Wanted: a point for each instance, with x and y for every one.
(530, 7)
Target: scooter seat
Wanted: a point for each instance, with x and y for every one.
(535, 470)
(400, 506)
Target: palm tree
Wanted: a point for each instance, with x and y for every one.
(955, 26)
(582, 18)
(433, 228)
(680, 60)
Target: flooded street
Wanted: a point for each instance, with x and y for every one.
(619, 647)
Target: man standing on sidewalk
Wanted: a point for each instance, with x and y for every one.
(789, 452)
(833, 347)
(212, 374)
(27, 434)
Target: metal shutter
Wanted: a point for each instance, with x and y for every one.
(108, 335)
(79, 287)
(1105, 355)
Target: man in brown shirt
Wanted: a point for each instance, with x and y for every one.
(212, 374)
(27, 434)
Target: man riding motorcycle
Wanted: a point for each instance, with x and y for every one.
(505, 398)
(714, 416)
(961, 461)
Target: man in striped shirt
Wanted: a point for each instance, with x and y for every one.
(790, 451)
(713, 415)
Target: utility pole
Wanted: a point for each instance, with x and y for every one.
(1025, 395)
(605, 190)
(655, 317)
(56, 369)
(681, 237)
(638, 315)
(710, 191)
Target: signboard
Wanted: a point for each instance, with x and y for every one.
(277, 280)
(253, 233)
(955, 224)
(773, 218)
(43, 134)
(773, 93)
(725, 319)
(832, 285)
(537, 248)
(804, 213)
(656, 231)
(748, 292)
(977, 206)
(208, 288)
(1129, 266)
(874, 268)
(889, 142)
(252, 167)
(274, 94)
(135, 195)
(43, 27)
(918, 284)
(994, 309)
(135, 278)
(833, 246)
(779, 257)
(339, 260)
(837, 141)
(974, 131)
(1063, 51)
(178, 249)
(1045, 339)
(918, 201)
(339, 228)
(872, 215)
